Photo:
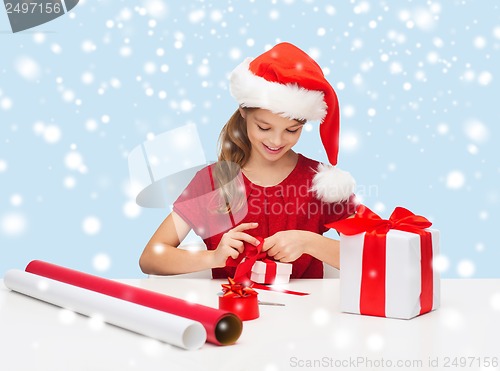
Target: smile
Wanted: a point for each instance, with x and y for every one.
(273, 149)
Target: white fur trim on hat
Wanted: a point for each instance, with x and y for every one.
(287, 100)
(332, 184)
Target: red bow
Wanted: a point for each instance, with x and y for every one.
(372, 299)
(366, 220)
(234, 289)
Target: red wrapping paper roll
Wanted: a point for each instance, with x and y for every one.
(223, 327)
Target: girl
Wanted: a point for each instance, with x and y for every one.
(260, 187)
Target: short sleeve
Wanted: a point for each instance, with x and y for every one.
(335, 211)
(189, 204)
(203, 206)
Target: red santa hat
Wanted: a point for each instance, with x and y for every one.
(286, 81)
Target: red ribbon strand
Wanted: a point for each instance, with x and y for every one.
(253, 253)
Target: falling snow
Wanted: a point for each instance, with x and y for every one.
(3, 166)
(320, 317)
(96, 322)
(101, 262)
(495, 301)
(452, 319)
(476, 131)
(131, 209)
(441, 263)
(455, 180)
(66, 316)
(465, 268)
(151, 347)
(375, 342)
(6, 103)
(342, 338)
(28, 68)
(91, 225)
(13, 224)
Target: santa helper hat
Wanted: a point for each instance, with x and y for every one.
(286, 81)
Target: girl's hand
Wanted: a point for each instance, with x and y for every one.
(287, 246)
(231, 243)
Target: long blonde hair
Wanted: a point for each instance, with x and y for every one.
(234, 145)
(234, 149)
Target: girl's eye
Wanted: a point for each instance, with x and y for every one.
(261, 128)
(292, 131)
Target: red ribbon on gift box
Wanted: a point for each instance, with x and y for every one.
(271, 270)
(251, 254)
(372, 300)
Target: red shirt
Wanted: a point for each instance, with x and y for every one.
(289, 205)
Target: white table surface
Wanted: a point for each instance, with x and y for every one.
(308, 333)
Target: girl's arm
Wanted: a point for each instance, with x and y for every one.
(288, 246)
(324, 249)
(161, 255)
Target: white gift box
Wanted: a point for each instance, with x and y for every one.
(283, 272)
(403, 282)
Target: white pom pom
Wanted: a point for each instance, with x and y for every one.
(332, 184)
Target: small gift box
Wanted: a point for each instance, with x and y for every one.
(254, 265)
(240, 300)
(386, 265)
(271, 272)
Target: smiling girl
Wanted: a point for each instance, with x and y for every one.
(260, 187)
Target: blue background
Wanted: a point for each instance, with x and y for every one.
(417, 83)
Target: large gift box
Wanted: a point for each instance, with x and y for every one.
(386, 266)
(271, 272)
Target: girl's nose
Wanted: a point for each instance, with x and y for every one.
(276, 140)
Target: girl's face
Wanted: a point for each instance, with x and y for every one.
(271, 135)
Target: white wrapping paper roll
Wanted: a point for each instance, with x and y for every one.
(172, 329)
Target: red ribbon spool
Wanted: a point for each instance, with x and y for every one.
(239, 300)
